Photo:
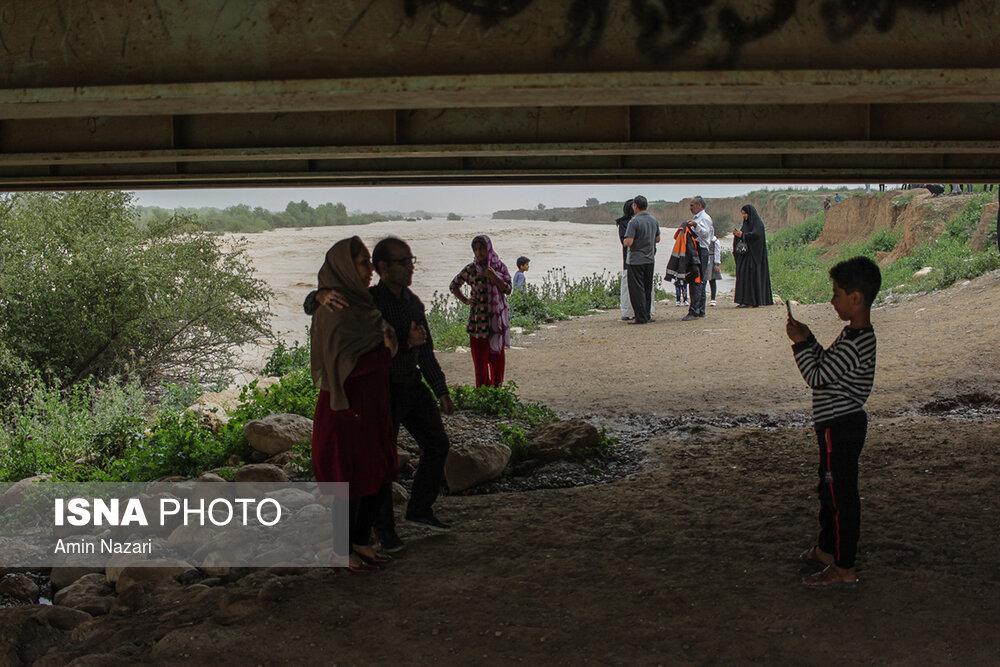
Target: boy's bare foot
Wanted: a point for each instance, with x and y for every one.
(831, 577)
(816, 556)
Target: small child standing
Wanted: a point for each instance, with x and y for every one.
(681, 289)
(522, 268)
(841, 378)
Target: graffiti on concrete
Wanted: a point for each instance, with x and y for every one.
(665, 28)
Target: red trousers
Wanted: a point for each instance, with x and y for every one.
(489, 366)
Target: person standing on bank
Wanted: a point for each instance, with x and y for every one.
(753, 276)
(641, 236)
(489, 317)
(704, 229)
(352, 439)
(622, 224)
(412, 404)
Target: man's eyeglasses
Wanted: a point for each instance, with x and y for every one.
(405, 261)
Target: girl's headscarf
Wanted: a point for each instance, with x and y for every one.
(755, 227)
(499, 314)
(340, 337)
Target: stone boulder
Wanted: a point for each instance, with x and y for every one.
(212, 415)
(563, 440)
(17, 491)
(260, 472)
(90, 593)
(19, 587)
(399, 494)
(278, 433)
(474, 463)
(291, 498)
(61, 577)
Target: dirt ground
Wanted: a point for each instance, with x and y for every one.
(694, 560)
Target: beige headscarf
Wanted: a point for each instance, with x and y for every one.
(340, 337)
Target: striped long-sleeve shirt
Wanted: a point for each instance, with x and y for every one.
(840, 376)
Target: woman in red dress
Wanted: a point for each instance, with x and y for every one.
(353, 438)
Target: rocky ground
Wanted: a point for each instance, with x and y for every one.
(691, 559)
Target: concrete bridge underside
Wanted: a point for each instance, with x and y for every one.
(149, 93)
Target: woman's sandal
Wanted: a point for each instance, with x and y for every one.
(812, 556)
(375, 559)
(828, 578)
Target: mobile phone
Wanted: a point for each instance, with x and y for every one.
(788, 307)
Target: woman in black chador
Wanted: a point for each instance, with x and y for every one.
(753, 278)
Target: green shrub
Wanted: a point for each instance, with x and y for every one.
(500, 402)
(51, 428)
(514, 437)
(902, 200)
(179, 445)
(294, 393)
(87, 291)
(284, 358)
(801, 234)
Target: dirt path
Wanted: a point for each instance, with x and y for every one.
(693, 560)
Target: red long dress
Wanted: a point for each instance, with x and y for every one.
(358, 445)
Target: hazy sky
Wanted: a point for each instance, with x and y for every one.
(463, 199)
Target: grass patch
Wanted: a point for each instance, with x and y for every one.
(555, 298)
(500, 402)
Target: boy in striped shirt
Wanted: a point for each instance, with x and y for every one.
(841, 379)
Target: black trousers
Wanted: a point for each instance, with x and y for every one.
(640, 290)
(361, 514)
(840, 442)
(416, 409)
(697, 301)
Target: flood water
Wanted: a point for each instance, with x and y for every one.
(288, 259)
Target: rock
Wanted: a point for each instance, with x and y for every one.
(567, 439)
(153, 576)
(90, 593)
(63, 618)
(19, 587)
(474, 463)
(16, 493)
(209, 477)
(923, 272)
(272, 591)
(260, 472)
(292, 498)
(228, 398)
(235, 543)
(284, 458)
(212, 415)
(187, 539)
(278, 433)
(61, 577)
(155, 568)
(400, 494)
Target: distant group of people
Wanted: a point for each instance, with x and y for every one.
(695, 261)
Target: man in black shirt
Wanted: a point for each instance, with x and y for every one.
(413, 406)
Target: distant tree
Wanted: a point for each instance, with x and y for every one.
(541, 207)
(593, 201)
(454, 216)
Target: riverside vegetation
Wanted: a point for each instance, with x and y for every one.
(800, 272)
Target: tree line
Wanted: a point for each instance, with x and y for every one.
(243, 218)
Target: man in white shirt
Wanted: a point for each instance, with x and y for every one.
(703, 228)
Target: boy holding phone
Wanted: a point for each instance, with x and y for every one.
(841, 378)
